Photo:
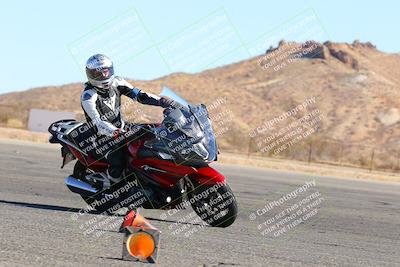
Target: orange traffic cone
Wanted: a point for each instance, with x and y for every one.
(141, 239)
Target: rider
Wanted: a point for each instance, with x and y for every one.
(101, 103)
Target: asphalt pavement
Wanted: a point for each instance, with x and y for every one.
(285, 219)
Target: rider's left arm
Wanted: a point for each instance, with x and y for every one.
(134, 93)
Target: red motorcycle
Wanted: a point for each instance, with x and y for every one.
(166, 166)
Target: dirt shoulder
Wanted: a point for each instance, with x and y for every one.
(304, 167)
(25, 135)
(9, 135)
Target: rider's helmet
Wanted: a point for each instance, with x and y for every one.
(100, 71)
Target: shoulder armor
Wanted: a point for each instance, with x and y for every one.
(88, 93)
(119, 81)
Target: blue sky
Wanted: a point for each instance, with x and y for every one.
(42, 41)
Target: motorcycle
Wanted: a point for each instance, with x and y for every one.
(166, 165)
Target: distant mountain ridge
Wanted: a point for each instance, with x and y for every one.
(355, 86)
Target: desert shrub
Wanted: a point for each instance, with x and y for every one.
(14, 123)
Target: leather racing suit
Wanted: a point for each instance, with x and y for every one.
(102, 108)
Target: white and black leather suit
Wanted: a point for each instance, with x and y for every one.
(102, 108)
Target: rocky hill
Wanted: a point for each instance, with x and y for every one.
(354, 86)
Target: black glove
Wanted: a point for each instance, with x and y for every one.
(166, 102)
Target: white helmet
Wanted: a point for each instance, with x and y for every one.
(100, 71)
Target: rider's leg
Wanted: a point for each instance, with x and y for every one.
(115, 161)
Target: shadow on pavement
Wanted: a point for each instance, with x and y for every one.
(46, 207)
(77, 210)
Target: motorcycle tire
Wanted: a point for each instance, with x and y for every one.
(217, 207)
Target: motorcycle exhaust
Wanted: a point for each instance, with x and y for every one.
(79, 187)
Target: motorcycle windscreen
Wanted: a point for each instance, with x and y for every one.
(196, 141)
(207, 147)
(184, 121)
(192, 135)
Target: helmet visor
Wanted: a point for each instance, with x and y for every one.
(100, 74)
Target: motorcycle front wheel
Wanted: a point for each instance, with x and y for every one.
(215, 204)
